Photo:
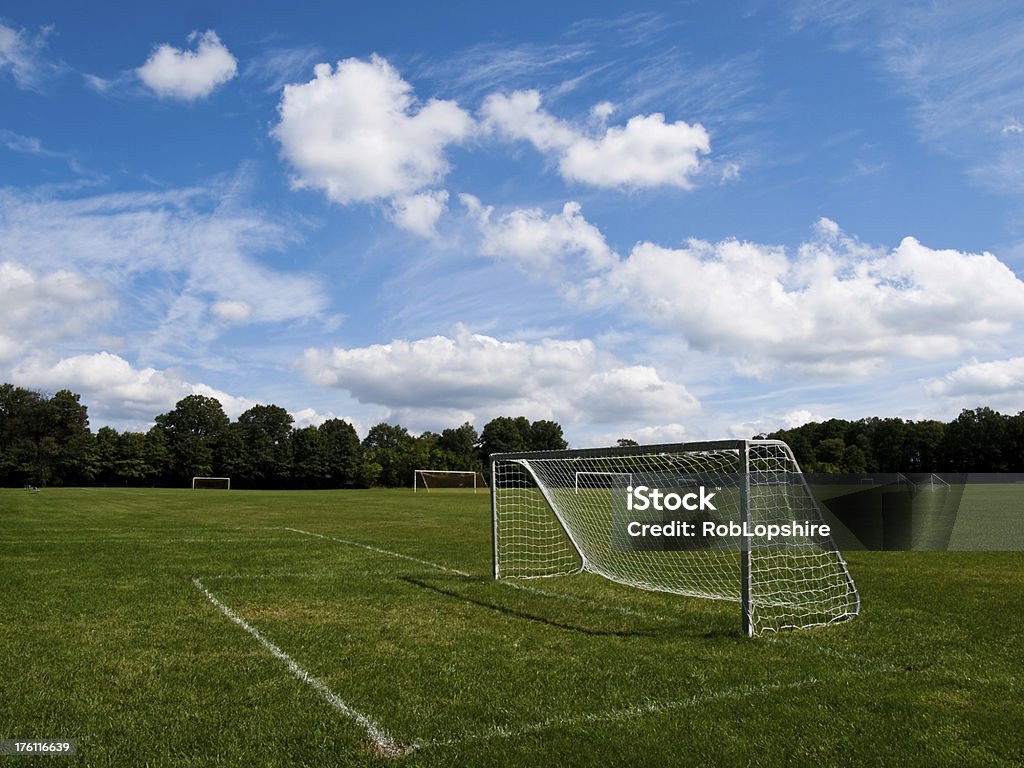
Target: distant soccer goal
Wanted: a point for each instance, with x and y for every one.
(211, 482)
(557, 513)
(428, 480)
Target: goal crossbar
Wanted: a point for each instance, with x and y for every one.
(554, 514)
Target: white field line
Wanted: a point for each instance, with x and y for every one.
(385, 744)
(388, 552)
(635, 712)
(505, 583)
(284, 575)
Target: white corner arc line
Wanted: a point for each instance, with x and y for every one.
(378, 550)
(381, 739)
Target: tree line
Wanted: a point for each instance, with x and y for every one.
(978, 440)
(46, 440)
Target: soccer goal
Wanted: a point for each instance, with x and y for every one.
(447, 479)
(211, 482)
(549, 521)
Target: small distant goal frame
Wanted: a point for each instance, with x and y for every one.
(200, 482)
(419, 480)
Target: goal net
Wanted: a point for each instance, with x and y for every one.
(710, 511)
(211, 482)
(447, 479)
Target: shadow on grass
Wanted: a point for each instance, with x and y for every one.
(461, 588)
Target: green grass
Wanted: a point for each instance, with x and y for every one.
(105, 638)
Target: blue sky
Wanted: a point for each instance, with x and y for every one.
(663, 221)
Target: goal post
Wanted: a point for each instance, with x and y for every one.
(728, 520)
(448, 479)
(211, 482)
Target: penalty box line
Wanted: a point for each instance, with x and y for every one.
(457, 572)
(383, 741)
(636, 712)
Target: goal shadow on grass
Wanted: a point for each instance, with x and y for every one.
(586, 617)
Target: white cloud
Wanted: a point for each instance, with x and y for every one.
(115, 390)
(208, 255)
(474, 375)
(838, 308)
(646, 152)
(956, 63)
(188, 75)
(419, 213)
(357, 133)
(773, 423)
(983, 380)
(21, 55)
(310, 417)
(232, 311)
(538, 242)
(37, 308)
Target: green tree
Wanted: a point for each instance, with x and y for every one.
(461, 443)
(195, 433)
(344, 454)
(70, 446)
(310, 464)
(974, 441)
(830, 454)
(130, 459)
(387, 445)
(505, 434)
(264, 456)
(106, 449)
(546, 436)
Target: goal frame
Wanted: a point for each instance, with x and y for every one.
(426, 488)
(225, 479)
(743, 447)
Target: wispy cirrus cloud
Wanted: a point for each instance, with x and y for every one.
(23, 57)
(959, 64)
(180, 263)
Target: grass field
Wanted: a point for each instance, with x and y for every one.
(350, 628)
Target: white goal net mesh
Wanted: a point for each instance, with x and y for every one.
(562, 512)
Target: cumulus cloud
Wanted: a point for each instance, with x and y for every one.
(419, 213)
(836, 308)
(536, 241)
(189, 75)
(982, 380)
(357, 133)
(645, 152)
(569, 380)
(113, 388)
